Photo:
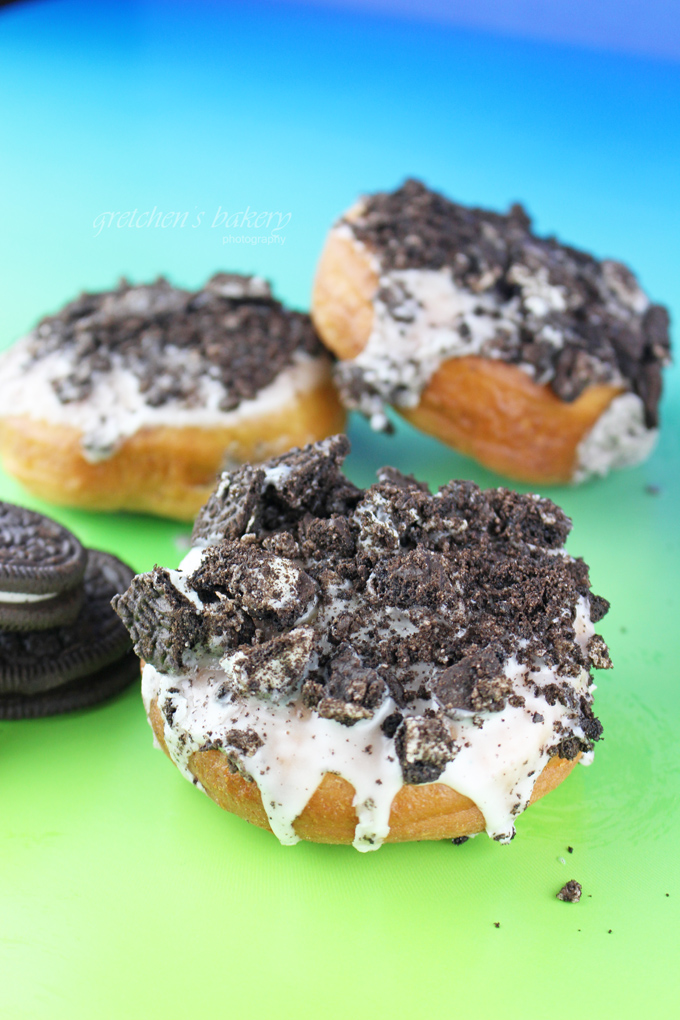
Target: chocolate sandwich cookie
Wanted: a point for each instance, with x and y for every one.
(41, 571)
(82, 693)
(92, 652)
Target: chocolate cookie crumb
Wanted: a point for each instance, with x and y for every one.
(570, 892)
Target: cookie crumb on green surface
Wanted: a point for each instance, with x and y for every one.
(570, 892)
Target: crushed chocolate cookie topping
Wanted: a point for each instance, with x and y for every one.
(271, 589)
(232, 332)
(300, 486)
(419, 610)
(246, 741)
(567, 318)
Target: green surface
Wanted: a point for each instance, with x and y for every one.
(126, 892)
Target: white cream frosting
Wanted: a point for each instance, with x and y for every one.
(619, 438)
(116, 408)
(499, 755)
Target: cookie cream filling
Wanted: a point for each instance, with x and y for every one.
(618, 439)
(116, 408)
(17, 598)
(499, 755)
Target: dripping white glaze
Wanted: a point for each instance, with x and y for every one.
(498, 759)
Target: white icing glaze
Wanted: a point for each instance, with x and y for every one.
(499, 754)
(619, 438)
(116, 408)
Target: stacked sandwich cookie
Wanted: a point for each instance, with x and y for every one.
(61, 645)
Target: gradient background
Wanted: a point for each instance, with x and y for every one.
(124, 892)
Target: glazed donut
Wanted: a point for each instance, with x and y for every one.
(136, 399)
(349, 666)
(533, 358)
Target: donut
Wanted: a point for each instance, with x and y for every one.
(535, 359)
(137, 398)
(359, 666)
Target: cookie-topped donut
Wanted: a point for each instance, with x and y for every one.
(138, 397)
(536, 359)
(351, 666)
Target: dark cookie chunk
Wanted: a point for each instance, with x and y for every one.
(163, 623)
(273, 668)
(527, 519)
(232, 331)
(570, 892)
(598, 653)
(571, 745)
(351, 691)
(413, 578)
(231, 506)
(391, 724)
(270, 588)
(236, 745)
(394, 478)
(306, 482)
(424, 747)
(263, 500)
(40, 660)
(328, 536)
(41, 570)
(245, 741)
(599, 607)
(580, 321)
(82, 693)
(477, 683)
